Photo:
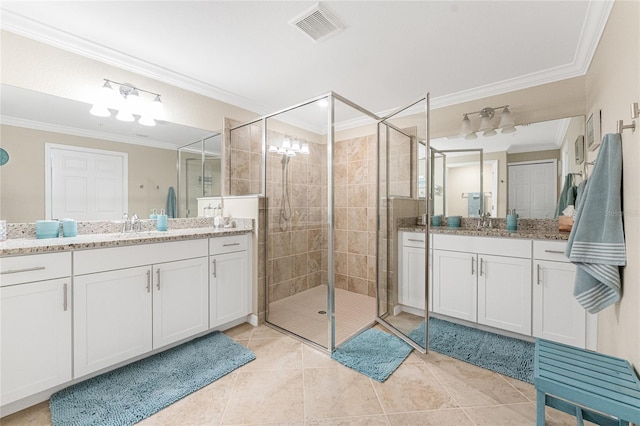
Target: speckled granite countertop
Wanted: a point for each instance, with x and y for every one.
(21, 246)
(531, 234)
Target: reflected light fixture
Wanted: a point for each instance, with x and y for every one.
(290, 146)
(125, 99)
(506, 124)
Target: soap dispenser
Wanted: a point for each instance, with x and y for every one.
(218, 220)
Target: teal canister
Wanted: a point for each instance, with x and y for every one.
(512, 221)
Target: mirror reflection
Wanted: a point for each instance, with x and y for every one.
(31, 120)
(522, 170)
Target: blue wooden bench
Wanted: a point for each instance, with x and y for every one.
(595, 387)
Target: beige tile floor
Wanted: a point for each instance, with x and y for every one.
(291, 383)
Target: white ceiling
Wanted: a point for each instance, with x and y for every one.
(389, 53)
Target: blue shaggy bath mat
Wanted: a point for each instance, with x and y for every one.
(134, 392)
(373, 353)
(505, 355)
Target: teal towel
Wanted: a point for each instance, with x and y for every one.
(567, 196)
(596, 243)
(171, 203)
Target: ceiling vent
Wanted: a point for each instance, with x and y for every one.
(318, 23)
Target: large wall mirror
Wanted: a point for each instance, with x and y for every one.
(33, 120)
(522, 171)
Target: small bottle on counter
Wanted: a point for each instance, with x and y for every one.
(512, 220)
(161, 223)
(218, 220)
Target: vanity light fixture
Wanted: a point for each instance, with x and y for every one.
(290, 146)
(126, 100)
(506, 124)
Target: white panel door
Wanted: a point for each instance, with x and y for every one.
(504, 293)
(557, 315)
(180, 300)
(86, 184)
(533, 190)
(36, 337)
(455, 291)
(111, 318)
(229, 288)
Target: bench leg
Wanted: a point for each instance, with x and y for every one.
(579, 416)
(540, 404)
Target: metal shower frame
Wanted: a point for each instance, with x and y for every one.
(331, 98)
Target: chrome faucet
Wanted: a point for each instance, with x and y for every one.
(133, 225)
(485, 221)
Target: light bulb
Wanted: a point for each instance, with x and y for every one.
(286, 142)
(282, 150)
(295, 146)
(273, 148)
(505, 119)
(465, 129)
(157, 108)
(290, 153)
(133, 100)
(125, 114)
(489, 132)
(147, 120)
(100, 111)
(304, 149)
(471, 136)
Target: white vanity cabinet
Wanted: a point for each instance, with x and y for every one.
(35, 315)
(455, 290)
(484, 280)
(411, 272)
(557, 315)
(229, 279)
(131, 300)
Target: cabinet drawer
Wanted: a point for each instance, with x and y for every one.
(413, 239)
(230, 244)
(511, 247)
(109, 259)
(550, 250)
(35, 267)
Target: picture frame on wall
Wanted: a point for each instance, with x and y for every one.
(593, 130)
(579, 150)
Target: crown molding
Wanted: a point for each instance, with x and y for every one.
(595, 20)
(56, 128)
(46, 34)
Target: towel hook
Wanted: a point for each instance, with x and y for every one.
(622, 126)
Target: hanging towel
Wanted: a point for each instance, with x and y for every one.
(567, 196)
(473, 204)
(596, 243)
(171, 203)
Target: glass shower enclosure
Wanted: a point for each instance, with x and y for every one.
(326, 256)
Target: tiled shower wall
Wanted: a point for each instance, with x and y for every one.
(296, 249)
(355, 214)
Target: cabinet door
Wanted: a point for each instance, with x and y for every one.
(504, 293)
(180, 300)
(229, 288)
(36, 337)
(111, 317)
(557, 315)
(412, 280)
(454, 284)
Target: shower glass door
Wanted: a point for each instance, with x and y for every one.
(400, 136)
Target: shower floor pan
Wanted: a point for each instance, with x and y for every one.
(304, 314)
